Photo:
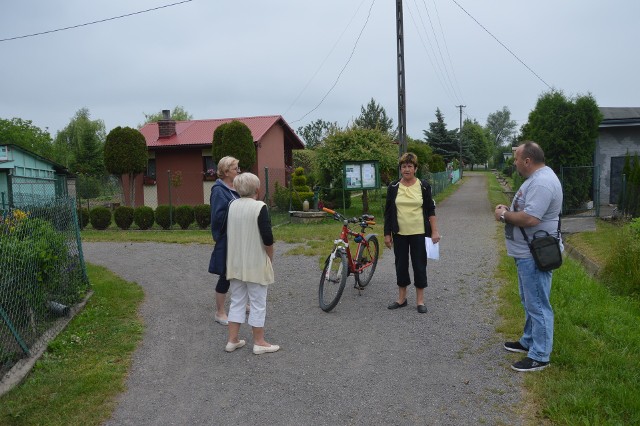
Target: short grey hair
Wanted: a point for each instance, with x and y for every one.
(246, 184)
(225, 164)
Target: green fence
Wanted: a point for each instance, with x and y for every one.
(42, 275)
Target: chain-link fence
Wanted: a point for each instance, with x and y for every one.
(42, 274)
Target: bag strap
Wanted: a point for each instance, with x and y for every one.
(524, 234)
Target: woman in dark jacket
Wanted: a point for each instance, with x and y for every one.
(409, 217)
(222, 193)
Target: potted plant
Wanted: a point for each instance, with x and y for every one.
(209, 175)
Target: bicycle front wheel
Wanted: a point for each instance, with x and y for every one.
(334, 277)
(367, 260)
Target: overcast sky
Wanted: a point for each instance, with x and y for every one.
(307, 60)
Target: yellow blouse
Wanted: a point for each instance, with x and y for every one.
(409, 206)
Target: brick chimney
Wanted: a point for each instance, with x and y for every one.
(166, 126)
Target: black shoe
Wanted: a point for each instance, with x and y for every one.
(396, 305)
(528, 364)
(515, 347)
(422, 309)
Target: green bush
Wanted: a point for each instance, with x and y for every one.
(143, 217)
(123, 216)
(202, 214)
(184, 216)
(30, 248)
(622, 271)
(83, 217)
(164, 215)
(100, 217)
(332, 198)
(281, 197)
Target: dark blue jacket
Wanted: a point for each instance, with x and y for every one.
(221, 196)
(391, 212)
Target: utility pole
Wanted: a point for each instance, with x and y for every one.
(460, 137)
(402, 112)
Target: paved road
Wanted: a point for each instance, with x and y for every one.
(361, 364)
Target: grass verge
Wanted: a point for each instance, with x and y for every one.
(84, 368)
(594, 376)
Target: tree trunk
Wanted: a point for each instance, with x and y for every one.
(365, 201)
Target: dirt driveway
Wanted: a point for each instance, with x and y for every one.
(361, 364)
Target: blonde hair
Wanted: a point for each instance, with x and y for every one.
(246, 184)
(225, 164)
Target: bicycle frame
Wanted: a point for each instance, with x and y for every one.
(342, 243)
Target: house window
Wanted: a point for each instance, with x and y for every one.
(208, 167)
(151, 168)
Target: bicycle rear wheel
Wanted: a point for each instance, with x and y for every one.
(332, 281)
(368, 260)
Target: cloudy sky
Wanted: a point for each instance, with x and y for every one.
(308, 60)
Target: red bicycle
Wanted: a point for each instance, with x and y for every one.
(340, 263)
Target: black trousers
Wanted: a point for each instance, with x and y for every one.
(403, 246)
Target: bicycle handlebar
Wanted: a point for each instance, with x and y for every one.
(364, 219)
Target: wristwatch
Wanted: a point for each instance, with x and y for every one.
(502, 217)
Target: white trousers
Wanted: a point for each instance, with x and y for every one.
(243, 292)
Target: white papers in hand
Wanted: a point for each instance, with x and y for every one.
(433, 250)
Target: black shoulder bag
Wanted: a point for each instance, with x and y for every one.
(545, 249)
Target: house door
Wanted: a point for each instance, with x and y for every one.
(615, 179)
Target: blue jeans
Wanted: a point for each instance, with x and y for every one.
(535, 288)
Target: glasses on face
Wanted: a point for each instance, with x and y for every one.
(406, 166)
(237, 169)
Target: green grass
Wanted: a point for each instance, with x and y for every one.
(596, 245)
(84, 368)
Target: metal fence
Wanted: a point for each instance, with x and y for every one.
(42, 275)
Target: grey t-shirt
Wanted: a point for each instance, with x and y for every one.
(539, 196)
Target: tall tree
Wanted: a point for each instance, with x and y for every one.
(442, 141)
(477, 147)
(315, 133)
(125, 154)
(566, 129)
(501, 127)
(235, 139)
(374, 116)
(178, 114)
(24, 134)
(356, 144)
(80, 145)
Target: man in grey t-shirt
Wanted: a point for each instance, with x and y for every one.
(536, 206)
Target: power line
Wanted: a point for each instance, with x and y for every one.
(94, 22)
(502, 44)
(343, 68)
(325, 59)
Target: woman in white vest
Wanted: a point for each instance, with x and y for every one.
(249, 268)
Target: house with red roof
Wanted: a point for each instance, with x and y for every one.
(180, 166)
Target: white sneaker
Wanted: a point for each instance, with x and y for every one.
(233, 346)
(265, 349)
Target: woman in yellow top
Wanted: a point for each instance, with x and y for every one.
(409, 217)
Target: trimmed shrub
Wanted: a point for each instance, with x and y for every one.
(100, 217)
(202, 214)
(143, 217)
(184, 216)
(164, 215)
(83, 217)
(123, 216)
(281, 196)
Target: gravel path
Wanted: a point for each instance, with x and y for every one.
(360, 364)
